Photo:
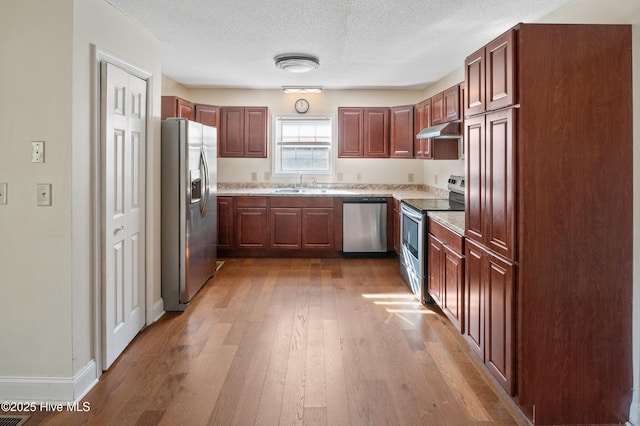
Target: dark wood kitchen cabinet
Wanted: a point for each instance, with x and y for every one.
(173, 106)
(251, 222)
(208, 114)
(225, 222)
(396, 235)
(446, 271)
(422, 120)
(490, 76)
(451, 103)
(402, 128)
(437, 109)
(363, 132)
(280, 226)
(447, 108)
(489, 312)
(548, 256)
(302, 222)
(243, 132)
(285, 225)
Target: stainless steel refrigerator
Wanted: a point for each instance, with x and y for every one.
(189, 222)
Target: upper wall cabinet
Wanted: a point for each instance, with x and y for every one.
(243, 132)
(402, 128)
(441, 108)
(208, 114)
(363, 132)
(173, 106)
(490, 76)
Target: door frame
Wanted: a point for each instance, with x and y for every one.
(101, 55)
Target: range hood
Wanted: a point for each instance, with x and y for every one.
(450, 130)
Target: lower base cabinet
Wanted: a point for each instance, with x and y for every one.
(445, 266)
(489, 312)
(279, 226)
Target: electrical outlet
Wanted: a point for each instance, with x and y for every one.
(339, 176)
(43, 194)
(358, 177)
(267, 176)
(37, 152)
(410, 177)
(3, 193)
(435, 179)
(254, 176)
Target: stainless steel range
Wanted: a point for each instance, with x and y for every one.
(413, 223)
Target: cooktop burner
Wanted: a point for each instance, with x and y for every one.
(434, 204)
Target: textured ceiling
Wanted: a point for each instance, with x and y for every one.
(360, 43)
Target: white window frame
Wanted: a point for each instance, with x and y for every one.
(275, 170)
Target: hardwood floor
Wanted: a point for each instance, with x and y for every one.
(297, 341)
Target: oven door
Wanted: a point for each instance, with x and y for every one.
(412, 249)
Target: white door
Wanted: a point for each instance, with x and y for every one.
(123, 151)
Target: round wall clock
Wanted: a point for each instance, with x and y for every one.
(302, 106)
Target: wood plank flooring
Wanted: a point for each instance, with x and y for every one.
(297, 341)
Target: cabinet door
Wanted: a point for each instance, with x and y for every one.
(285, 228)
(402, 136)
(500, 71)
(437, 109)
(499, 182)
(376, 132)
(255, 132)
(317, 228)
(475, 178)
(251, 227)
(173, 106)
(231, 132)
(453, 287)
(208, 114)
(474, 101)
(350, 132)
(499, 311)
(396, 225)
(474, 297)
(434, 267)
(423, 120)
(451, 98)
(225, 222)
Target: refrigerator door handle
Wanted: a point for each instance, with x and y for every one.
(204, 204)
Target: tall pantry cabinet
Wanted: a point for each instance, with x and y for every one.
(548, 291)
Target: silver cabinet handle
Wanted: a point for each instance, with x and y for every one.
(118, 229)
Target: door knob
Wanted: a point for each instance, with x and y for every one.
(118, 229)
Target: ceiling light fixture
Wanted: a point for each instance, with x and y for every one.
(297, 63)
(290, 89)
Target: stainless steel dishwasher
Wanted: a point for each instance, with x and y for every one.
(364, 225)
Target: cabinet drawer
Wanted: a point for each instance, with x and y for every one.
(301, 202)
(251, 201)
(447, 236)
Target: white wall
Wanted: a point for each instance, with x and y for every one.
(45, 256)
(35, 252)
(99, 24)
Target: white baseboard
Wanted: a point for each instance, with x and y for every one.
(158, 310)
(54, 389)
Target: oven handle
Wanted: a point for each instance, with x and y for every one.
(413, 215)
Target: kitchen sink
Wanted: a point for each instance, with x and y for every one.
(289, 190)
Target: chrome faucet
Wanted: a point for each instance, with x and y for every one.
(300, 183)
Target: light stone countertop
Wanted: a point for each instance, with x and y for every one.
(451, 220)
(399, 192)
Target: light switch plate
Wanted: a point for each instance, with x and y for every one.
(43, 194)
(3, 193)
(37, 152)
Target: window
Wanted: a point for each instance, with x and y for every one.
(303, 145)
